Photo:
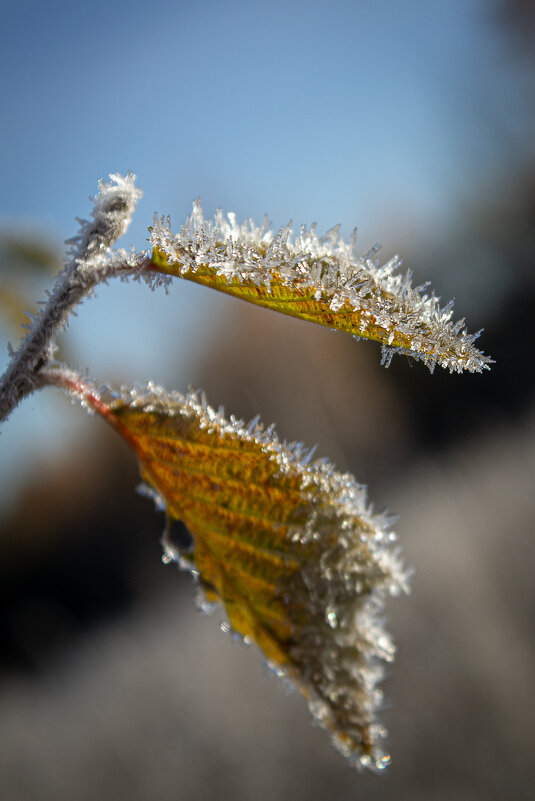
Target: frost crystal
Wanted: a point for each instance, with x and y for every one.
(288, 546)
(334, 286)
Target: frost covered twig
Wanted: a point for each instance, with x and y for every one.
(90, 262)
(287, 545)
(314, 278)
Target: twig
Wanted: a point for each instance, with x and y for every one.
(91, 262)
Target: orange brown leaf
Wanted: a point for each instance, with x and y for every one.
(287, 546)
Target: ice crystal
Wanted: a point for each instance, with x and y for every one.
(325, 281)
(288, 546)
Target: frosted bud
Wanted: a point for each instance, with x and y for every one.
(113, 207)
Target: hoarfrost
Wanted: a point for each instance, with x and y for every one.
(335, 274)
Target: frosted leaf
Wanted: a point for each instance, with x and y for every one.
(320, 279)
(287, 545)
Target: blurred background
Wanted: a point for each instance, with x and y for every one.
(416, 122)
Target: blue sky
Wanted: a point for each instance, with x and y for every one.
(331, 110)
(367, 113)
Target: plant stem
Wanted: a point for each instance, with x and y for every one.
(36, 350)
(37, 347)
(90, 263)
(74, 383)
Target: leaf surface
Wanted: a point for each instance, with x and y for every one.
(320, 280)
(287, 546)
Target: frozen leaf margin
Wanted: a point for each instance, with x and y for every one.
(287, 545)
(319, 279)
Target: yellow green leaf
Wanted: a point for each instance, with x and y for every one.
(287, 546)
(320, 280)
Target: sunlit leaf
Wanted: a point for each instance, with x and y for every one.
(286, 544)
(320, 280)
